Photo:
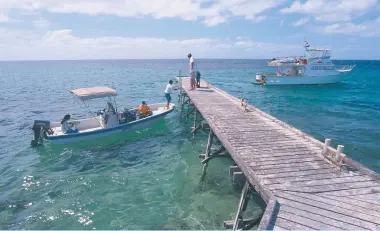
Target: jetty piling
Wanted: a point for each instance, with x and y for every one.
(305, 183)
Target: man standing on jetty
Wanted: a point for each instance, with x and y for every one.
(192, 71)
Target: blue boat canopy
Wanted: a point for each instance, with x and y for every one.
(93, 92)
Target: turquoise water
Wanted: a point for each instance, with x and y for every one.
(151, 178)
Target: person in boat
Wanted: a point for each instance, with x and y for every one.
(144, 110)
(67, 128)
(192, 71)
(290, 72)
(168, 90)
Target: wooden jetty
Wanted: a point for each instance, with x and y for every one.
(305, 183)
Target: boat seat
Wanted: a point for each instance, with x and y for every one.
(58, 131)
(90, 129)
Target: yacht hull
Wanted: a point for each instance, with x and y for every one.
(294, 80)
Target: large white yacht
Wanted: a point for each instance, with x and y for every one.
(315, 67)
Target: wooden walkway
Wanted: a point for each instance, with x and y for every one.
(305, 183)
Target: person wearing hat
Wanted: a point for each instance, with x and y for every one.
(192, 71)
(144, 110)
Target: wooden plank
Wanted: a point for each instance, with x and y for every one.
(305, 221)
(328, 207)
(329, 188)
(285, 161)
(286, 224)
(284, 156)
(273, 146)
(269, 139)
(327, 213)
(264, 147)
(280, 165)
(362, 168)
(356, 201)
(282, 142)
(270, 214)
(265, 154)
(372, 198)
(290, 169)
(353, 192)
(234, 139)
(277, 228)
(244, 124)
(296, 179)
(322, 219)
(238, 118)
(299, 173)
(266, 150)
(339, 204)
(311, 183)
(258, 135)
(230, 126)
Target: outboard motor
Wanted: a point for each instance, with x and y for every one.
(40, 128)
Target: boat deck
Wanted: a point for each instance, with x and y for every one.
(304, 185)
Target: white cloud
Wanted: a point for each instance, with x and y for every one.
(41, 24)
(216, 12)
(301, 22)
(213, 21)
(264, 46)
(3, 18)
(366, 28)
(331, 10)
(62, 44)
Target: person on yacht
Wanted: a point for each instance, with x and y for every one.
(66, 128)
(290, 72)
(144, 110)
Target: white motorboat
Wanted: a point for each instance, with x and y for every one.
(107, 122)
(315, 67)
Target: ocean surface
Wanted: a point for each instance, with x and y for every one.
(150, 179)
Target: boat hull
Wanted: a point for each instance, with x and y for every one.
(123, 128)
(293, 80)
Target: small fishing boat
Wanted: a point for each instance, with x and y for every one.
(315, 67)
(107, 122)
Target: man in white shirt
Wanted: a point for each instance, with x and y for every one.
(168, 90)
(192, 71)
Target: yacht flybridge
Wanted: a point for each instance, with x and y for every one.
(313, 68)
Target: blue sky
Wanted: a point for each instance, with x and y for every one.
(105, 29)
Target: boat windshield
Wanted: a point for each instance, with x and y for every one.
(318, 54)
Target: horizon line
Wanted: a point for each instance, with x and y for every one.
(42, 60)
